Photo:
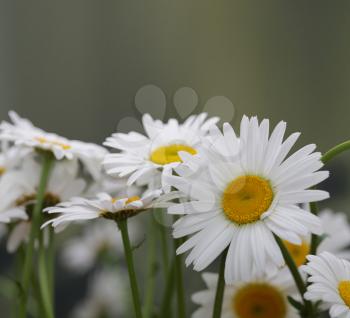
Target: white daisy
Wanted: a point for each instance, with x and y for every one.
(106, 296)
(23, 133)
(82, 252)
(330, 282)
(21, 186)
(148, 157)
(10, 157)
(336, 238)
(106, 206)
(264, 297)
(247, 198)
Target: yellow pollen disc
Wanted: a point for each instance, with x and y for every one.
(2, 170)
(168, 154)
(344, 291)
(131, 199)
(298, 252)
(246, 198)
(259, 300)
(43, 140)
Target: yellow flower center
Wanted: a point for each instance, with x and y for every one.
(168, 154)
(131, 199)
(259, 300)
(246, 198)
(298, 252)
(2, 170)
(44, 140)
(344, 291)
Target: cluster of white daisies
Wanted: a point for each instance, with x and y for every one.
(233, 194)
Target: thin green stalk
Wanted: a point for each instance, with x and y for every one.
(44, 279)
(314, 238)
(51, 264)
(165, 310)
(34, 234)
(329, 155)
(181, 305)
(123, 226)
(220, 288)
(151, 268)
(296, 274)
(164, 244)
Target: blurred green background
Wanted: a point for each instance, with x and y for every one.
(74, 66)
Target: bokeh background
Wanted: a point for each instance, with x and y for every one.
(74, 67)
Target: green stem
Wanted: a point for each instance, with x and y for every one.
(123, 226)
(295, 273)
(44, 279)
(314, 238)
(51, 263)
(164, 244)
(181, 305)
(35, 229)
(165, 310)
(151, 268)
(330, 154)
(220, 288)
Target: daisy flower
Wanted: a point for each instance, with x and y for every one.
(330, 282)
(21, 186)
(145, 158)
(251, 194)
(106, 296)
(108, 207)
(83, 251)
(10, 157)
(264, 297)
(23, 133)
(336, 238)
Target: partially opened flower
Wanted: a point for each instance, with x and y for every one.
(264, 297)
(244, 196)
(98, 240)
(146, 158)
(23, 133)
(330, 282)
(20, 187)
(108, 207)
(336, 238)
(106, 296)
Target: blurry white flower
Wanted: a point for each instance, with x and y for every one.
(20, 187)
(147, 158)
(105, 206)
(264, 297)
(82, 252)
(106, 296)
(336, 238)
(23, 133)
(10, 157)
(330, 282)
(252, 193)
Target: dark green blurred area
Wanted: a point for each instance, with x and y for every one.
(74, 67)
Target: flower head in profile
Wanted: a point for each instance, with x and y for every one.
(24, 134)
(244, 196)
(108, 207)
(19, 188)
(336, 238)
(330, 282)
(263, 297)
(146, 158)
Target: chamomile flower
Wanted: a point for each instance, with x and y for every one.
(99, 239)
(23, 133)
(21, 188)
(108, 207)
(251, 194)
(145, 158)
(264, 297)
(336, 238)
(330, 282)
(106, 296)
